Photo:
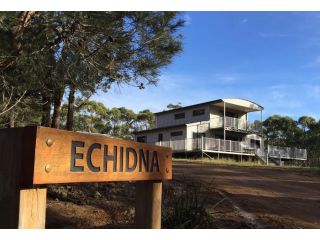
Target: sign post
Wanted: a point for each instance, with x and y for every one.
(31, 157)
(148, 204)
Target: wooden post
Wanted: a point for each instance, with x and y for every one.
(32, 208)
(20, 206)
(148, 204)
(33, 156)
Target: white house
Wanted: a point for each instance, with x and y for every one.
(216, 128)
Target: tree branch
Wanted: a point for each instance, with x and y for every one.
(19, 100)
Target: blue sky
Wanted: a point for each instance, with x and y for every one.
(272, 58)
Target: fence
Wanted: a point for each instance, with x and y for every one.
(235, 123)
(240, 147)
(210, 144)
(287, 153)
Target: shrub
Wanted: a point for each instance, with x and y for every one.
(185, 208)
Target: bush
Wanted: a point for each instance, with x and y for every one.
(185, 208)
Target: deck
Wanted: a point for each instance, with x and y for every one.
(214, 145)
(235, 124)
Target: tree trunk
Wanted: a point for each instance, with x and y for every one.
(46, 110)
(12, 120)
(71, 102)
(57, 100)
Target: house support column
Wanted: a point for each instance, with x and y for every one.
(224, 120)
(268, 155)
(202, 147)
(247, 127)
(261, 122)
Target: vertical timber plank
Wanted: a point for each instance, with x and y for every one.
(32, 208)
(10, 151)
(17, 148)
(148, 204)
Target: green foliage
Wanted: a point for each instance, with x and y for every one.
(282, 131)
(46, 53)
(304, 133)
(174, 106)
(186, 209)
(92, 116)
(307, 123)
(28, 113)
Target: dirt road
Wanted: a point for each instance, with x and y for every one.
(270, 197)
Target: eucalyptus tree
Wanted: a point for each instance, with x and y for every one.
(174, 106)
(145, 120)
(282, 131)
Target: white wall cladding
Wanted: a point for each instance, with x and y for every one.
(215, 112)
(152, 136)
(167, 119)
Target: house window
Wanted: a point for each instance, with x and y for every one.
(255, 143)
(198, 112)
(142, 139)
(160, 137)
(179, 115)
(198, 135)
(229, 114)
(175, 134)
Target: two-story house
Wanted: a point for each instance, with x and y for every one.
(215, 128)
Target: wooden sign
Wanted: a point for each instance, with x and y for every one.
(33, 156)
(66, 157)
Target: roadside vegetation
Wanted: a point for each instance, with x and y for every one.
(220, 161)
(230, 162)
(186, 206)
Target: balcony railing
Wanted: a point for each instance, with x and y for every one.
(235, 147)
(287, 152)
(235, 123)
(210, 144)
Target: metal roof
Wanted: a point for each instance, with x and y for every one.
(237, 103)
(160, 128)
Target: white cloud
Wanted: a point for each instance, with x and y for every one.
(272, 35)
(313, 92)
(314, 63)
(244, 21)
(225, 78)
(171, 88)
(278, 92)
(285, 99)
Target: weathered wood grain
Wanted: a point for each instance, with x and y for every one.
(53, 161)
(33, 156)
(32, 208)
(148, 204)
(17, 148)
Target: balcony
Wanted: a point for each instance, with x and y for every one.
(287, 153)
(235, 124)
(233, 147)
(209, 144)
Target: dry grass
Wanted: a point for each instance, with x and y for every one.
(220, 162)
(230, 162)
